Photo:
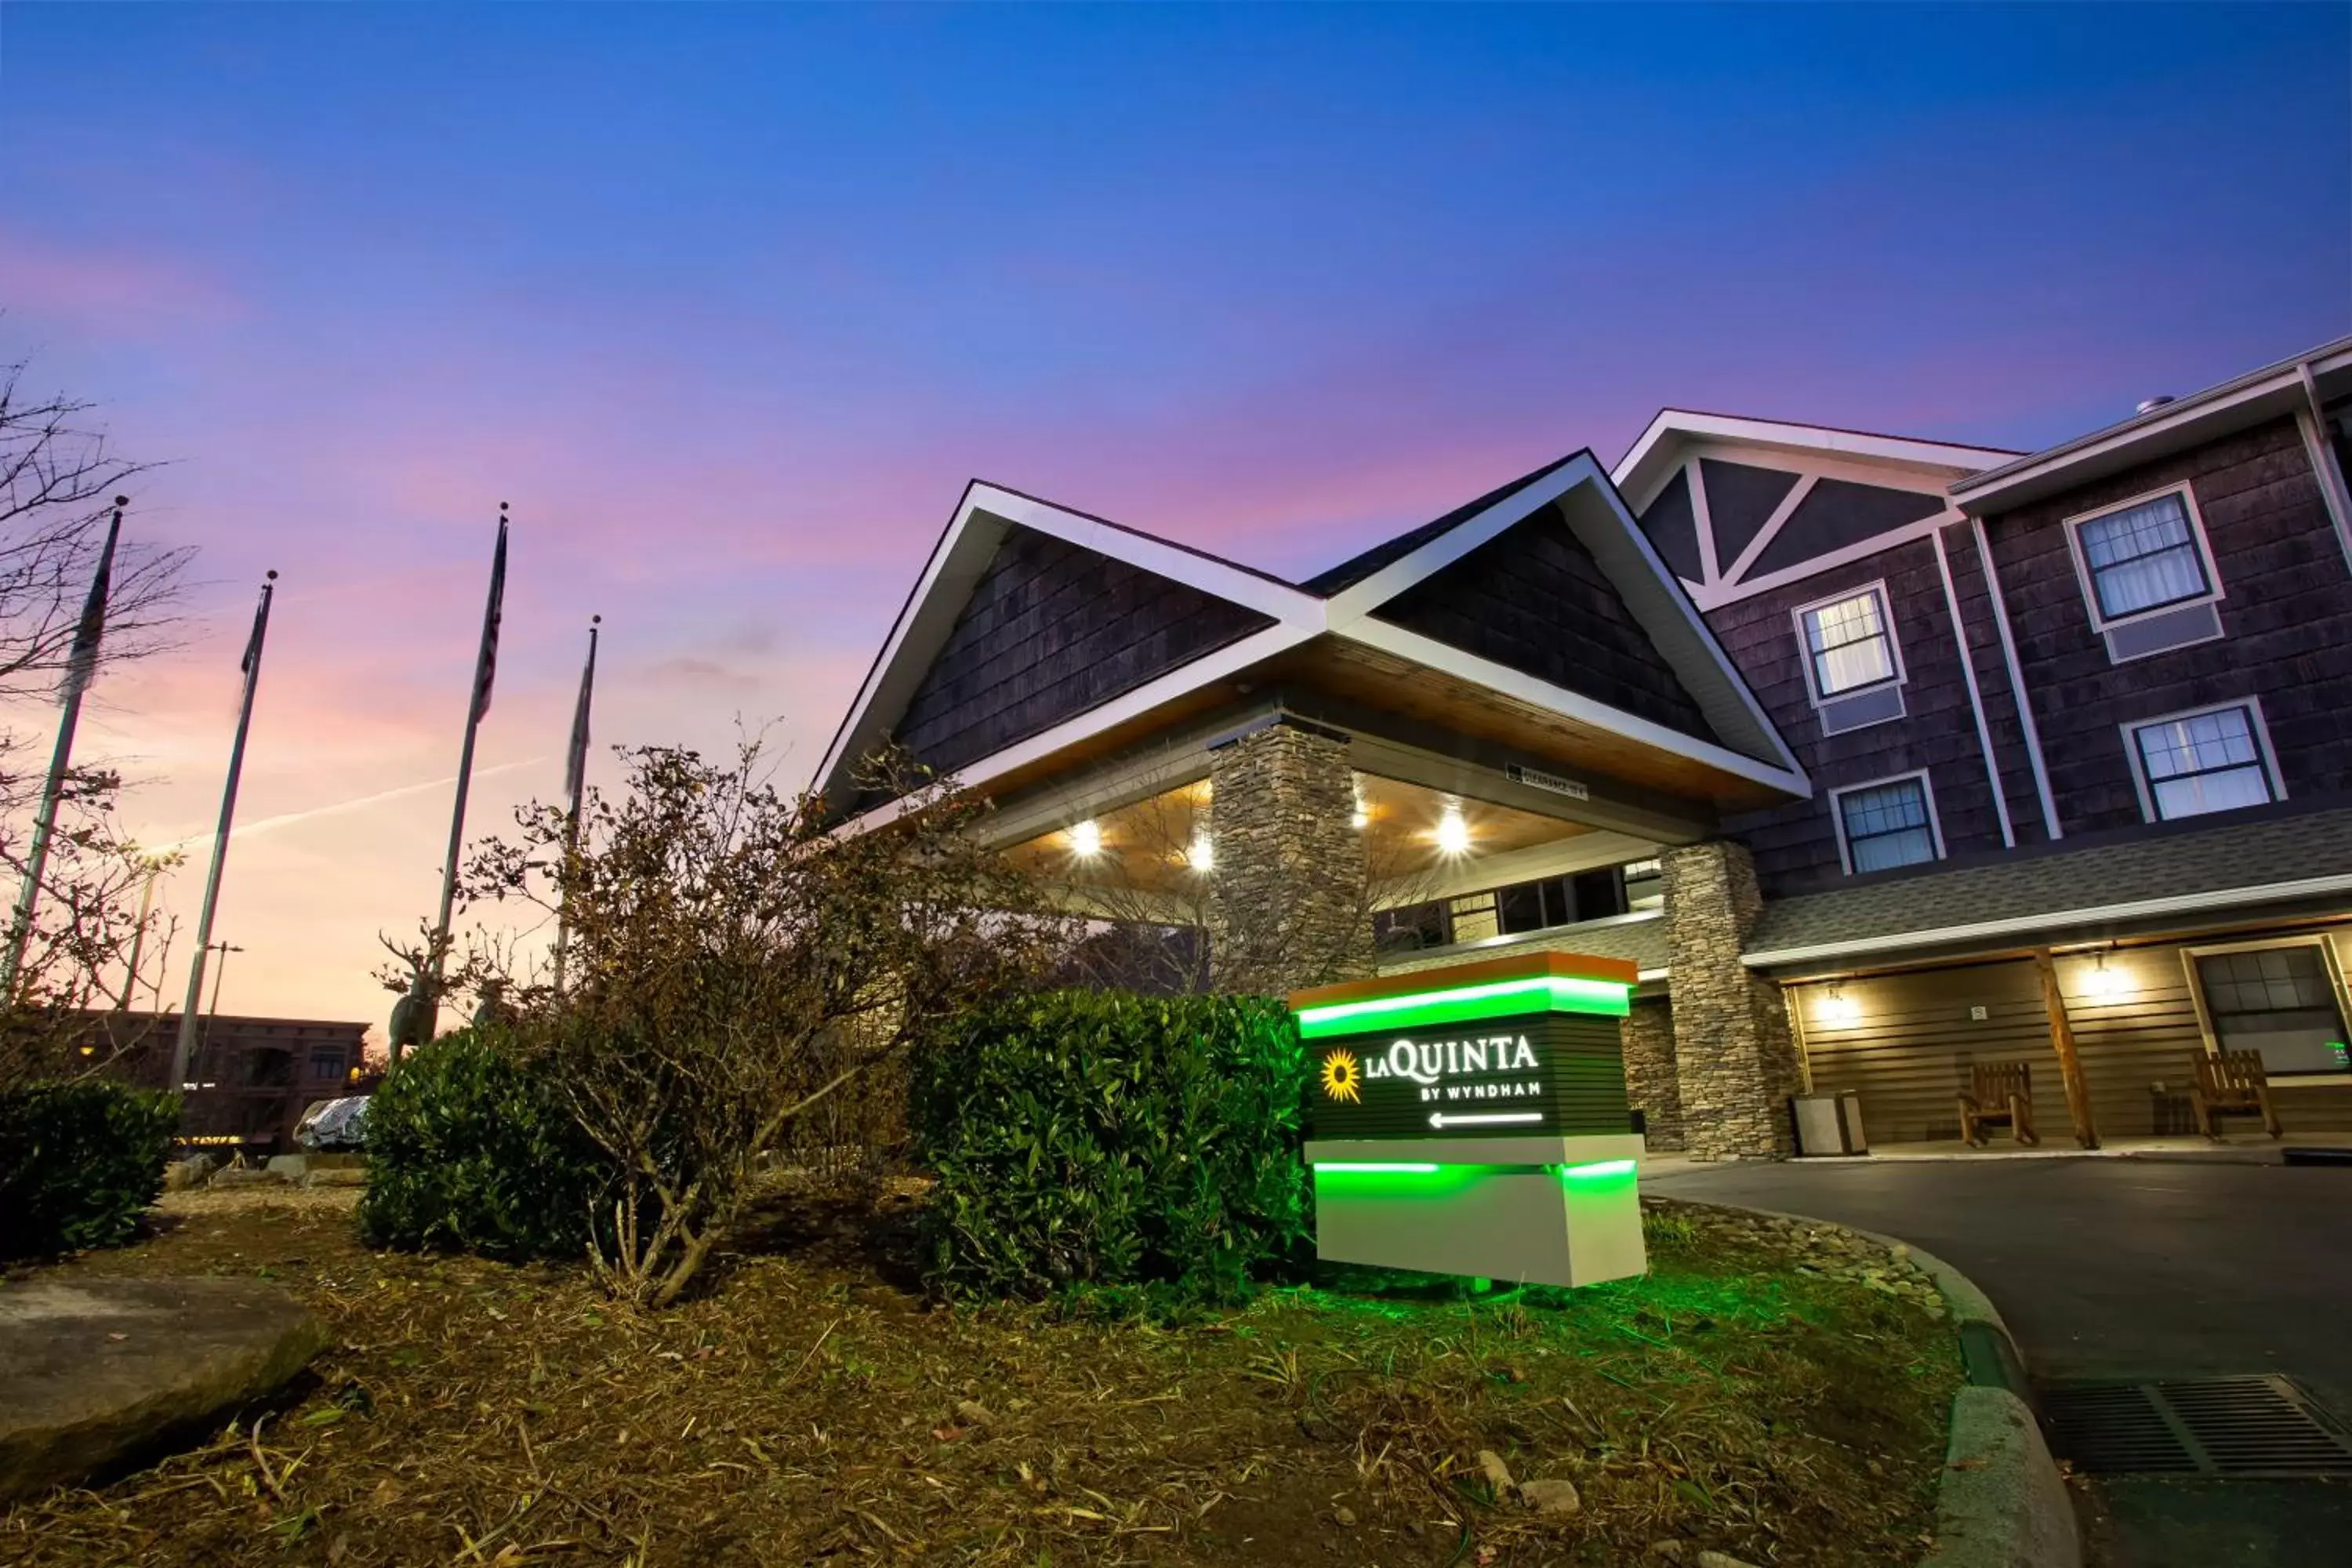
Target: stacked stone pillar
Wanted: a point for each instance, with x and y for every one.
(1734, 1060)
(1648, 1035)
(1289, 904)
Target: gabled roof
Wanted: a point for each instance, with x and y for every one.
(1336, 604)
(1658, 451)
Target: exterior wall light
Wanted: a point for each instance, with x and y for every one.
(1837, 1007)
(2105, 983)
(1202, 855)
(1086, 838)
(1453, 833)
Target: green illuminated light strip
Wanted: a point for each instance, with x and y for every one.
(1538, 994)
(1599, 1168)
(1407, 1170)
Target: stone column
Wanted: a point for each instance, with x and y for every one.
(1289, 902)
(1734, 1060)
(1648, 1034)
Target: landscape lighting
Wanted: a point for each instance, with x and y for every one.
(1201, 857)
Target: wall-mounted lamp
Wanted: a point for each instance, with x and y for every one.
(2104, 981)
(1362, 818)
(1837, 1007)
(1086, 838)
(1202, 855)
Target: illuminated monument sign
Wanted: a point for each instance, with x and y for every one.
(1472, 1120)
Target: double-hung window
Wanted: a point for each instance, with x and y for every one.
(1888, 824)
(1853, 669)
(2217, 759)
(2148, 574)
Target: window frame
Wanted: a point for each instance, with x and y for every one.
(2331, 964)
(1813, 693)
(2103, 623)
(2257, 722)
(1927, 793)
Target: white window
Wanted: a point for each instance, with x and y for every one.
(1849, 643)
(1888, 824)
(2144, 556)
(2215, 759)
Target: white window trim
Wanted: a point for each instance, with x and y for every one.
(2329, 959)
(1805, 645)
(2214, 593)
(1927, 790)
(2131, 728)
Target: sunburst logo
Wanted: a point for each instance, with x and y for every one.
(1341, 1080)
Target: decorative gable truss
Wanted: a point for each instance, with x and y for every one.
(1738, 506)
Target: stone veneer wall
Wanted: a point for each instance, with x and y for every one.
(1289, 904)
(1648, 1032)
(1734, 1060)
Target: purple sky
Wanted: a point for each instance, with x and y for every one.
(730, 302)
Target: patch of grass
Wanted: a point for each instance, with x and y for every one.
(813, 1407)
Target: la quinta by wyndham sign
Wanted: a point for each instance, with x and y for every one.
(1472, 1120)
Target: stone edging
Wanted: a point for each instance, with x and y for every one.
(2002, 1502)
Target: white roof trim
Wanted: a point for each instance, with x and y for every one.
(1633, 473)
(2021, 925)
(1979, 493)
(1704, 664)
(1568, 704)
(1211, 666)
(965, 551)
(970, 543)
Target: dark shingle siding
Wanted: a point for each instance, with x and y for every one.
(1795, 846)
(1052, 630)
(2286, 614)
(1837, 513)
(2277, 845)
(1532, 598)
(1673, 529)
(1739, 497)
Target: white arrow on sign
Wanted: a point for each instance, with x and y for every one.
(1439, 1120)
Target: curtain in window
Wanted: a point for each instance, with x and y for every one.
(2207, 761)
(1849, 645)
(2143, 558)
(1887, 826)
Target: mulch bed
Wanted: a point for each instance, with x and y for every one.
(1773, 1391)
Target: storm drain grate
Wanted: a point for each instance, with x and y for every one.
(2208, 1427)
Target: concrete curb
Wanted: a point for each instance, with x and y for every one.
(2002, 1502)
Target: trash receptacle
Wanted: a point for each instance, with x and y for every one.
(1830, 1123)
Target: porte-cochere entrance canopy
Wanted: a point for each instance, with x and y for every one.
(1520, 682)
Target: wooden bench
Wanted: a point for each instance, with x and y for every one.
(2000, 1094)
(2232, 1083)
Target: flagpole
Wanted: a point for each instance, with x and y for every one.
(184, 1049)
(485, 670)
(80, 666)
(575, 781)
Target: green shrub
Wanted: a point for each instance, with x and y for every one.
(79, 1163)
(468, 1151)
(1089, 1139)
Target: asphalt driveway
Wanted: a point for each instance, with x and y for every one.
(2128, 1268)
